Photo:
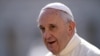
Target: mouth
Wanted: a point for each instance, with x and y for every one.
(52, 46)
(51, 42)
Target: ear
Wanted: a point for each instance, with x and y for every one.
(71, 26)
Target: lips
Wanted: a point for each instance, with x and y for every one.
(51, 42)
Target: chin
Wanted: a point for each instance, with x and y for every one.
(55, 53)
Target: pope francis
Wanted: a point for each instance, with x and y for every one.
(58, 30)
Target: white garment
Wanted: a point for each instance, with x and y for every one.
(78, 47)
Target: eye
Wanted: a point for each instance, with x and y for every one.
(42, 28)
(52, 26)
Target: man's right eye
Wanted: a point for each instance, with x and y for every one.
(42, 29)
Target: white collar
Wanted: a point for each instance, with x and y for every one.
(71, 45)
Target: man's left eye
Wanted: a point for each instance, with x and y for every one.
(52, 26)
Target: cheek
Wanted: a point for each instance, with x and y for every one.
(63, 38)
(44, 40)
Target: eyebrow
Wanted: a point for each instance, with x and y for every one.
(52, 24)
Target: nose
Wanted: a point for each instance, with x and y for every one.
(47, 35)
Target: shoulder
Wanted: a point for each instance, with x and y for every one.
(90, 50)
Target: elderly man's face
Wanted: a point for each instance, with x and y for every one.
(54, 30)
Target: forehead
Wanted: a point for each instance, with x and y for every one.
(50, 16)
